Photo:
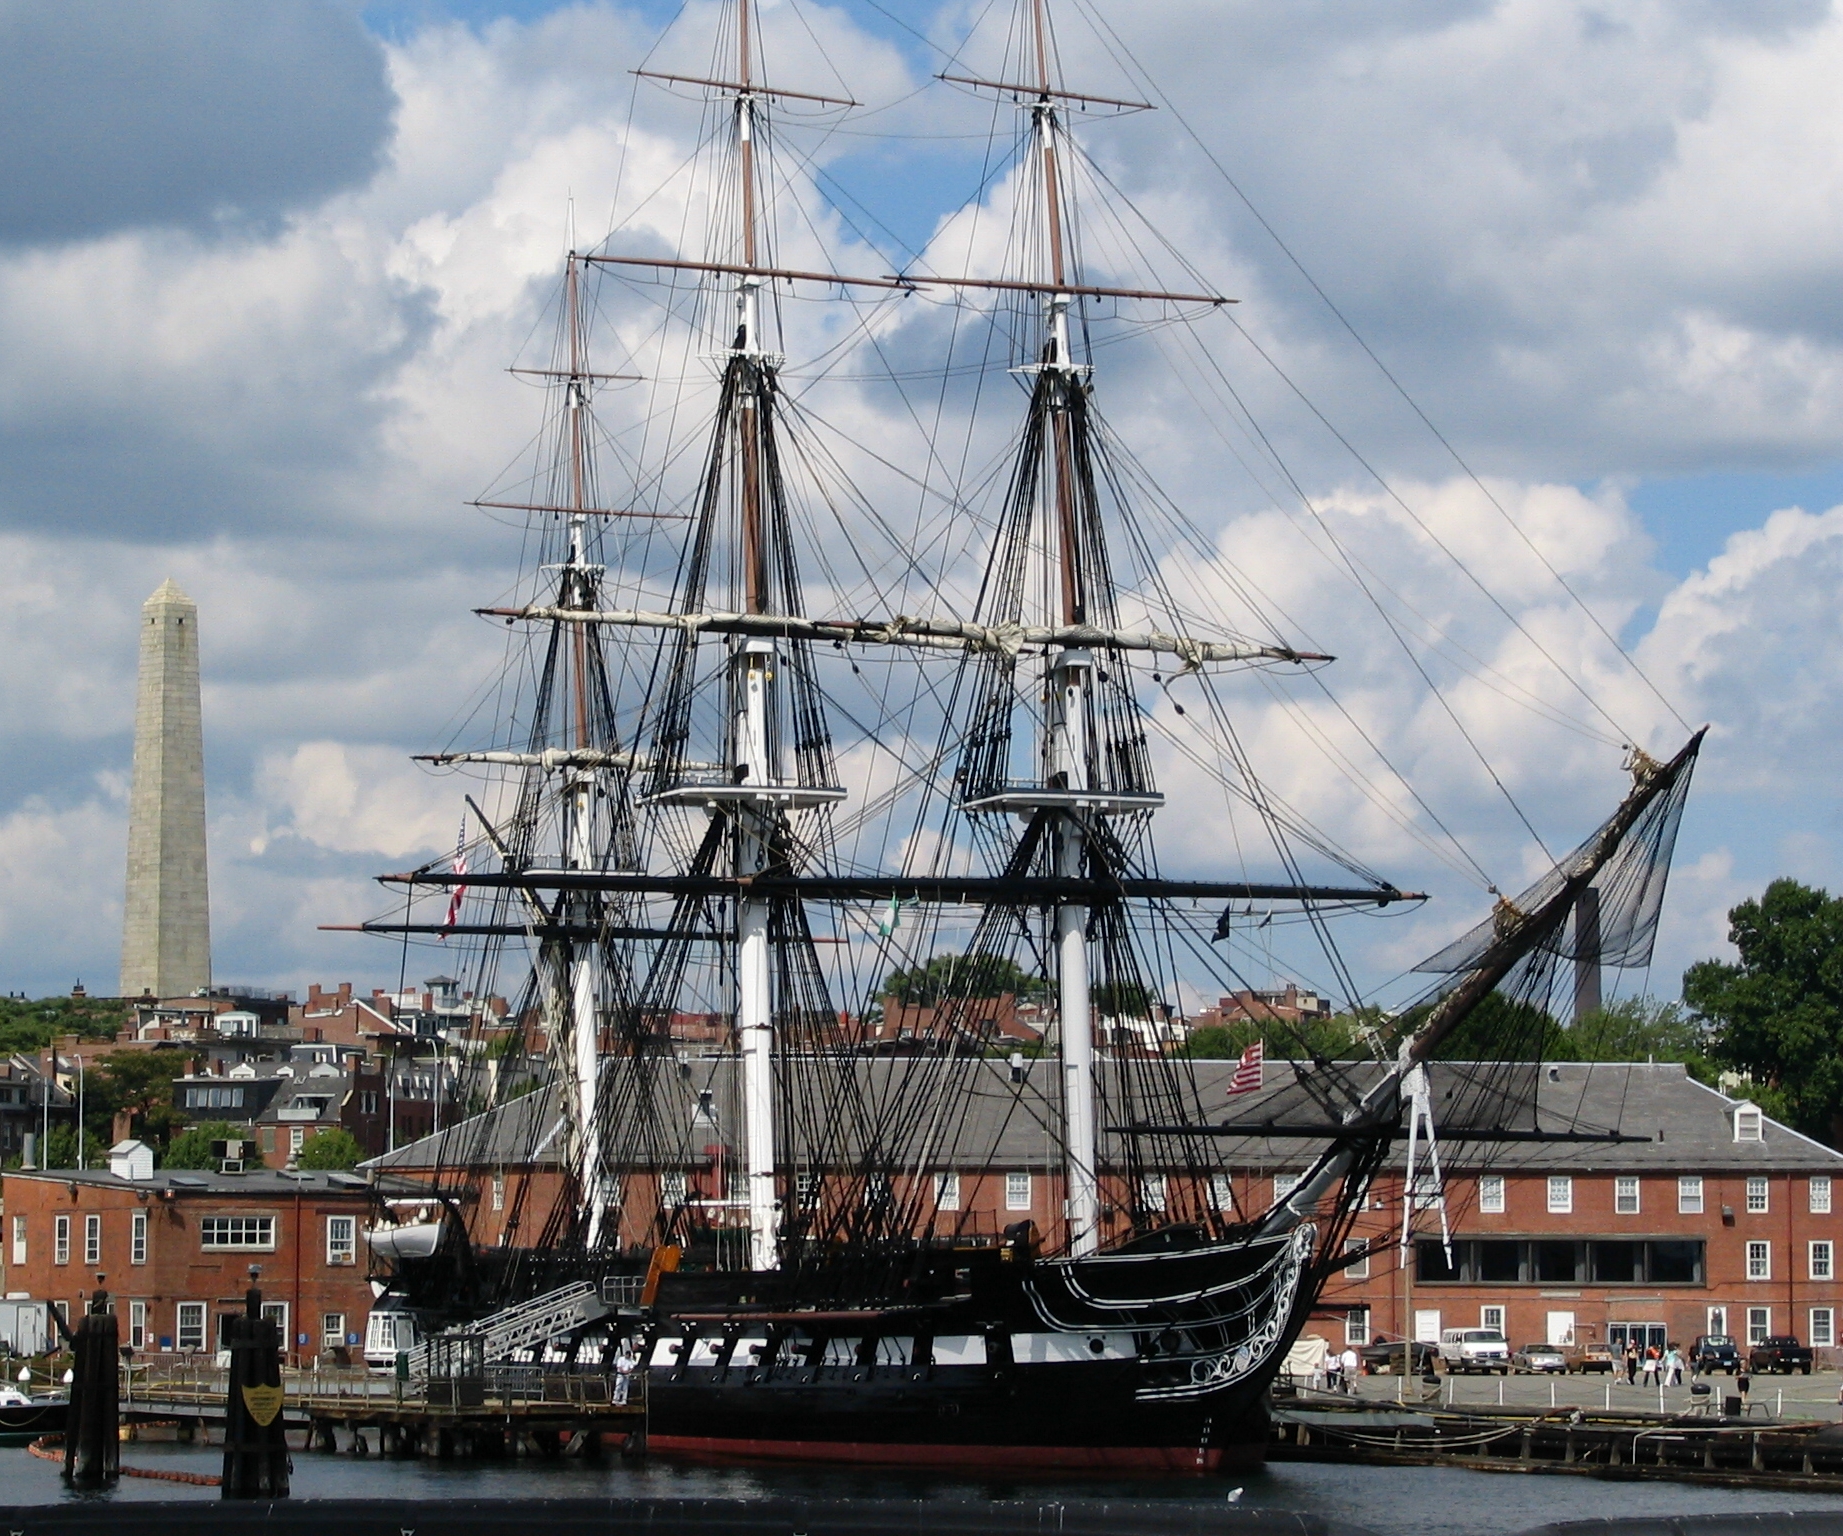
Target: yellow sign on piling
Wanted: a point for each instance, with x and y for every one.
(263, 1403)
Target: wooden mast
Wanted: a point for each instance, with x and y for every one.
(1066, 754)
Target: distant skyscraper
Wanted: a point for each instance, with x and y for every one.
(166, 923)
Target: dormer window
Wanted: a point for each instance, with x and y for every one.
(1749, 1123)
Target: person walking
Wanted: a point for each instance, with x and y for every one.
(1353, 1367)
(1631, 1365)
(1649, 1365)
(1673, 1367)
(624, 1363)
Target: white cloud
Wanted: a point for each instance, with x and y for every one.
(1570, 231)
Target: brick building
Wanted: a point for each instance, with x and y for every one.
(1715, 1219)
(175, 1250)
(1702, 1216)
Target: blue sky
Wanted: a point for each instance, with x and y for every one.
(261, 269)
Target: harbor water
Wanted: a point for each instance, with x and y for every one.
(1391, 1501)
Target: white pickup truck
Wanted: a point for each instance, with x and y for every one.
(1474, 1349)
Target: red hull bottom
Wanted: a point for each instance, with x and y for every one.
(1179, 1461)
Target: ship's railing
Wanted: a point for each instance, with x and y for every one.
(200, 1383)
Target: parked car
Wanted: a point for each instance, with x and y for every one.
(1475, 1349)
(1782, 1353)
(1540, 1357)
(1590, 1357)
(1714, 1352)
(1384, 1356)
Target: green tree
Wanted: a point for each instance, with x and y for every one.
(948, 975)
(1641, 1029)
(1777, 1014)
(31, 1025)
(1332, 1039)
(1133, 999)
(1502, 1029)
(334, 1148)
(140, 1082)
(192, 1148)
(61, 1149)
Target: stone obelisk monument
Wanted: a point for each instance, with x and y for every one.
(166, 923)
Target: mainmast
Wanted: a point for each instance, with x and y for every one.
(754, 693)
(1067, 758)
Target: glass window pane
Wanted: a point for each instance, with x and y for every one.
(1674, 1261)
(1555, 1260)
(1616, 1263)
(1500, 1262)
(1431, 1265)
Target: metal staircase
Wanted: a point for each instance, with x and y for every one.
(500, 1336)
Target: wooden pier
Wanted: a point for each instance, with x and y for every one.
(1748, 1452)
(522, 1411)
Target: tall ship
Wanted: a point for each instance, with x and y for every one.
(815, 851)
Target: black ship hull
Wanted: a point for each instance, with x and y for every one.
(1129, 1363)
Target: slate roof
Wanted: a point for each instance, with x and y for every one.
(261, 1183)
(1686, 1127)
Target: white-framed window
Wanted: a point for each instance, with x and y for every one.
(1356, 1327)
(1561, 1194)
(92, 1239)
(19, 1239)
(1359, 1269)
(947, 1191)
(1749, 1123)
(1820, 1194)
(499, 1204)
(1718, 1322)
(1689, 1195)
(277, 1313)
(1221, 1192)
(1823, 1327)
(1625, 1195)
(190, 1333)
(342, 1240)
(1152, 1191)
(672, 1187)
(807, 1189)
(1759, 1260)
(297, 1137)
(137, 1325)
(60, 1240)
(332, 1330)
(1491, 1194)
(255, 1234)
(1017, 1191)
(1491, 1317)
(1823, 1260)
(1284, 1184)
(1427, 1190)
(1759, 1324)
(1759, 1200)
(137, 1237)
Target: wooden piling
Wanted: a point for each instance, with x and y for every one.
(255, 1447)
(92, 1445)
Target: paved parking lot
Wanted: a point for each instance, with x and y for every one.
(1794, 1397)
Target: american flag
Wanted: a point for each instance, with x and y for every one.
(1247, 1078)
(460, 868)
